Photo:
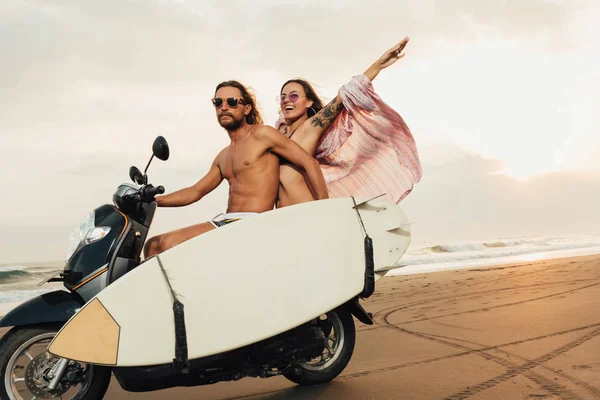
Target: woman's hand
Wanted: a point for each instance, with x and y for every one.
(388, 58)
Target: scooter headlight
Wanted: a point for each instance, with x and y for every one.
(85, 234)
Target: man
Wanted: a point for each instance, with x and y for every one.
(250, 164)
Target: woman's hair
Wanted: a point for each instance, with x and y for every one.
(254, 117)
(310, 94)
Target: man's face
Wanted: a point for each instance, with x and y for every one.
(231, 117)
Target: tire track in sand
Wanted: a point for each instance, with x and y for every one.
(513, 369)
(588, 387)
(525, 370)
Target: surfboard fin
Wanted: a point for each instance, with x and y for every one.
(398, 230)
(390, 267)
(356, 206)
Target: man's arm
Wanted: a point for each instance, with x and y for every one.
(295, 154)
(193, 193)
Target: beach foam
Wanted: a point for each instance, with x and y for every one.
(430, 257)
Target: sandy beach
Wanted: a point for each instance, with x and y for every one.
(517, 331)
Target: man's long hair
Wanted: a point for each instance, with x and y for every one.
(311, 94)
(254, 117)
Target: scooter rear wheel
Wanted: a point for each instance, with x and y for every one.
(25, 364)
(336, 356)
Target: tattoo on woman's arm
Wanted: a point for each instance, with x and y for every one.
(328, 114)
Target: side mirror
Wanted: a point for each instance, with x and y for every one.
(160, 148)
(136, 175)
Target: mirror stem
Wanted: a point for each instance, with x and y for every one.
(146, 176)
(151, 158)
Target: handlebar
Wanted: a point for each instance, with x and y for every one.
(153, 191)
(148, 192)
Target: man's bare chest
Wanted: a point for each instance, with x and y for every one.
(243, 158)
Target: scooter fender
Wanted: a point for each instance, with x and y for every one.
(356, 309)
(56, 306)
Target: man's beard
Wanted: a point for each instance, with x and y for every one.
(232, 124)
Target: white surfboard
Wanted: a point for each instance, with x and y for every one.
(241, 283)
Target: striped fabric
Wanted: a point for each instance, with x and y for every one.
(221, 219)
(224, 222)
(369, 150)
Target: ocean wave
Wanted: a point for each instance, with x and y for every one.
(439, 249)
(496, 244)
(430, 253)
(13, 276)
(24, 275)
(464, 246)
(12, 268)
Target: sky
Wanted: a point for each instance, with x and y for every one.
(499, 95)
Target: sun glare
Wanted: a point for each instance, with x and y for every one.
(520, 173)
(525, 170)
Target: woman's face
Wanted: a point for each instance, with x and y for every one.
(293, 101)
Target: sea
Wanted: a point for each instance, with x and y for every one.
(19, 282)
(431, 257)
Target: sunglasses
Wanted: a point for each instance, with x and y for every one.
(293, 97)
(231, 102)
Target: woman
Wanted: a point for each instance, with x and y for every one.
(364, 147)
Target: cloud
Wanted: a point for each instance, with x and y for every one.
(462, 196)
(161, 41)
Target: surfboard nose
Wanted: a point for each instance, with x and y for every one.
(91, 336)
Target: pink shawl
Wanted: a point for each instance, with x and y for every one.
(368, 150)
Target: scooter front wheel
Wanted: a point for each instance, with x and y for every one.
(340, 335)
(26, 369)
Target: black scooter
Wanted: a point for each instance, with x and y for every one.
(107, 245)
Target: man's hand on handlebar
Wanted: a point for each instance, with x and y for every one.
(148, 192)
